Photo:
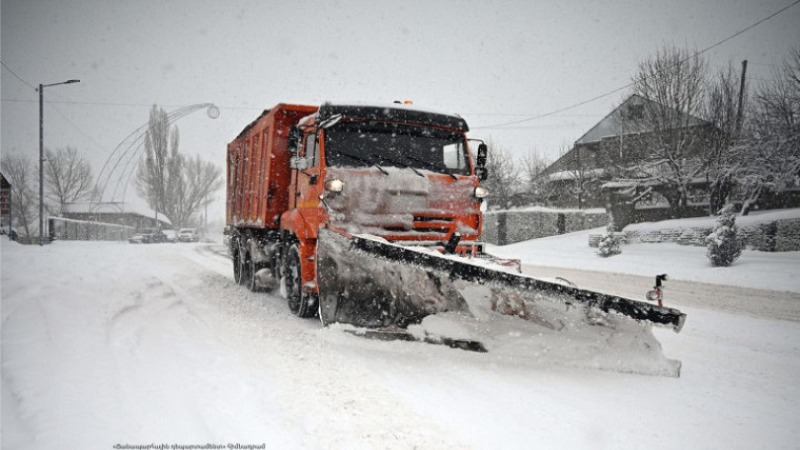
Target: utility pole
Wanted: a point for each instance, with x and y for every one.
(41, 154)
(740, 109)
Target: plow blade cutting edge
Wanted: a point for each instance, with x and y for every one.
(372, 283)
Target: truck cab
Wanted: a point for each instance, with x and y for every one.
(402, 174)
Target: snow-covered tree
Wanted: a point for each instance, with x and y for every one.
(770, 156)
(674, 83)
(723, 154)
(722, 245)
(610, 243)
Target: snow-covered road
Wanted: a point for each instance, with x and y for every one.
(110, 343)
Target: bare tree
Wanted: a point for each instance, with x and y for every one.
(173, 184)
(533, 166)
(68, 176)
(159, 168)
(673, 81)
(20, 173)
(505, 175)
(772, 151)
(200, 179)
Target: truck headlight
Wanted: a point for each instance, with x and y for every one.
(335, 185)
(481, 192)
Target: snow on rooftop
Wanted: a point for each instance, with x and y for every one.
(391, 105)
(112, 208)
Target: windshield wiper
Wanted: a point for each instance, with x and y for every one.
(364, 160)
(397, 164)
(432, 166)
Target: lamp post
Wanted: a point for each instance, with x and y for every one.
(41, 154)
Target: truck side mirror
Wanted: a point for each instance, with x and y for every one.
(295, 137)
(483, 150)
(482, 173)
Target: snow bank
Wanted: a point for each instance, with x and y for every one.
(754, 219)
(760, 270)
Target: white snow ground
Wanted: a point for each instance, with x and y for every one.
(111, 343)
(761, 270)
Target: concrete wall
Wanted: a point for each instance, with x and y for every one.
(508, 227)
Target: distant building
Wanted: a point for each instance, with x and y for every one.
(116, 213)
(5, 204)
(102, 221)
(582, 177)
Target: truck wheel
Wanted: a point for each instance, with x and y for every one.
(237, 266)
(299, 304)
(242, 264)
(252, 268)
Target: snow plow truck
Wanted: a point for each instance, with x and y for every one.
(372, 216)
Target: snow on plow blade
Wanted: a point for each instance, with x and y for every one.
(364, 289)
(376, 284)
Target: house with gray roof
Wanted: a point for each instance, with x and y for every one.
(622, 139)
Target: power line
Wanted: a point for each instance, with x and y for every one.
(147, 105)
(17, 76)
(567, 108)
(86, 135)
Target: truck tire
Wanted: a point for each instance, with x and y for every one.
(252, 268)
(237, 269)
(240, 263)
(300, 304)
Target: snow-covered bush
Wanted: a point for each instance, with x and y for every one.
(609, 244)
(723, 246)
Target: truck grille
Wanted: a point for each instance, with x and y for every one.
(433, 224)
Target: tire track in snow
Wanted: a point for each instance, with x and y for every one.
(337, 405)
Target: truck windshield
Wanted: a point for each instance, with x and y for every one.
(366, 144)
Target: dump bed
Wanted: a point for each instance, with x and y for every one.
(258, 173)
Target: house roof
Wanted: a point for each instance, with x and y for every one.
(624, 120)
(112, 208)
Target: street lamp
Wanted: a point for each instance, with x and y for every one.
(41, 154)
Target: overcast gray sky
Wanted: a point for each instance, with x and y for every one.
(493, 62)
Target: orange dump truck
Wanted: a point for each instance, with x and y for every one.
(365, 215)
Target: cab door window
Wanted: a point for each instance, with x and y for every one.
(312, 150)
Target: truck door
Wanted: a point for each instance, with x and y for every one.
(308, 181)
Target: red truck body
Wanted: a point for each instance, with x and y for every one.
(258, 172)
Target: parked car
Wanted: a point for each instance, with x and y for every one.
(148, 236)
(188, 235)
